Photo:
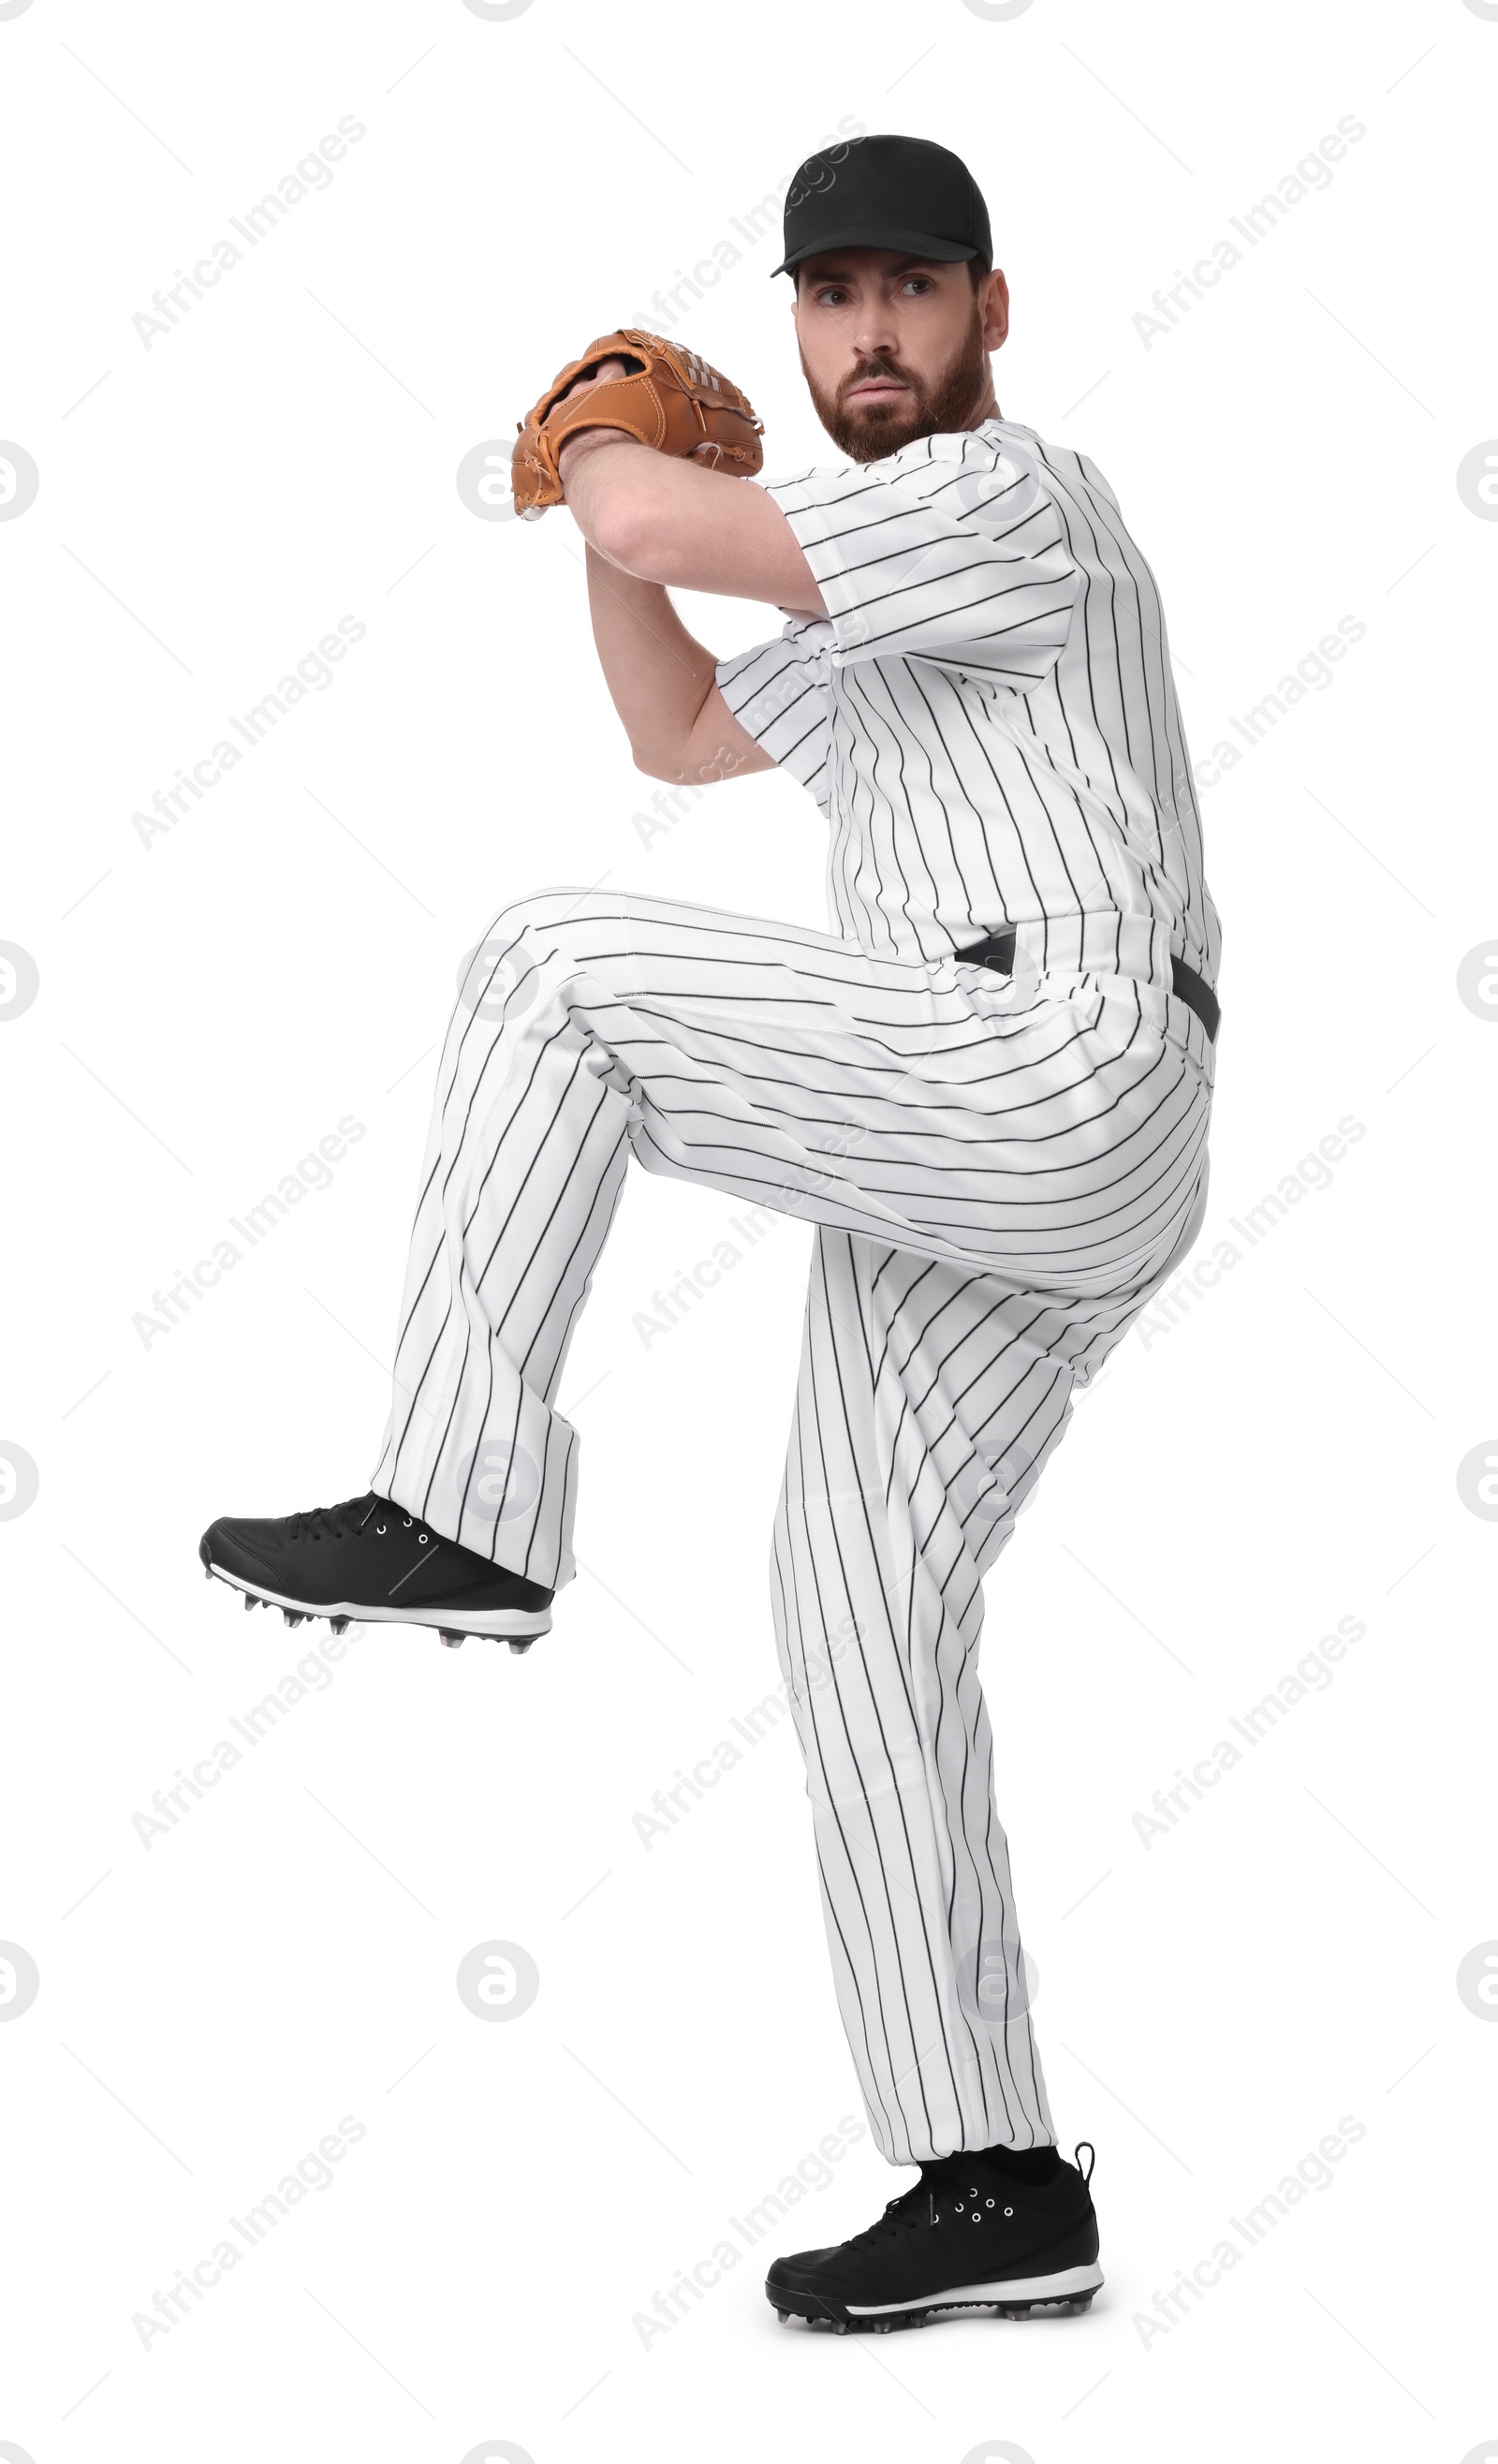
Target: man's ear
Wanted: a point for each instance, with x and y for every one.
(995, 311)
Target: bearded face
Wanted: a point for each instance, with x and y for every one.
(868, 427)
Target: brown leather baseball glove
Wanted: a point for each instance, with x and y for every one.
(670, 399)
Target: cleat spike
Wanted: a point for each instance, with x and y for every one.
(455, 1641)
(251, 1601)
(784, 2317)
(339, 1624)
(517, 1645)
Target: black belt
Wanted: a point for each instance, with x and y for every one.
(997, 950)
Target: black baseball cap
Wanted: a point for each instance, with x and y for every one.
(886, 192)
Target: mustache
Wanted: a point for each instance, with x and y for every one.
(868, 369)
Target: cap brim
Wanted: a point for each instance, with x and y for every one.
(941, 252)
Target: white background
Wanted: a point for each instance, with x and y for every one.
(211, 1005)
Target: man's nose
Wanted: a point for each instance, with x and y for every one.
(874, 338)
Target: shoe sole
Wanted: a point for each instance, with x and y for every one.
(518, 1627)
(1066, 2294)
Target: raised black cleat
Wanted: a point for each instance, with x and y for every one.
(996, 2229)
(370, 1560)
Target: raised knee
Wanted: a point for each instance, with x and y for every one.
(500, 974)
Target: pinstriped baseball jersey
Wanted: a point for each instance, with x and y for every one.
(986, 713)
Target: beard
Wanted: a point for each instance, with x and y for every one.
(866, 431)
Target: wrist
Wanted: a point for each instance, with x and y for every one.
(587, 441)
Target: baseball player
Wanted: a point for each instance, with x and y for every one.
(987, 1088)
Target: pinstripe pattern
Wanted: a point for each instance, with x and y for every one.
(987, 715)
(1057, 1143)
(927, 1403)
(997, 1173)
(996, 1182)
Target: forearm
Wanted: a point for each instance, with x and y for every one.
(674, 522)
(658, 676)
(649, 521)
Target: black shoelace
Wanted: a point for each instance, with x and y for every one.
(340, 1522)
(913, 2207)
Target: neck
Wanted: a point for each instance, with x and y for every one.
(988, 405)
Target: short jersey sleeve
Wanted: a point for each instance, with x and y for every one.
(778, 693)
(951, 550)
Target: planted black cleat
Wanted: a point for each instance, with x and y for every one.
(370, 1560)
(998, 2230)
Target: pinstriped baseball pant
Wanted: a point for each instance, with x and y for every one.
(998, 1175)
